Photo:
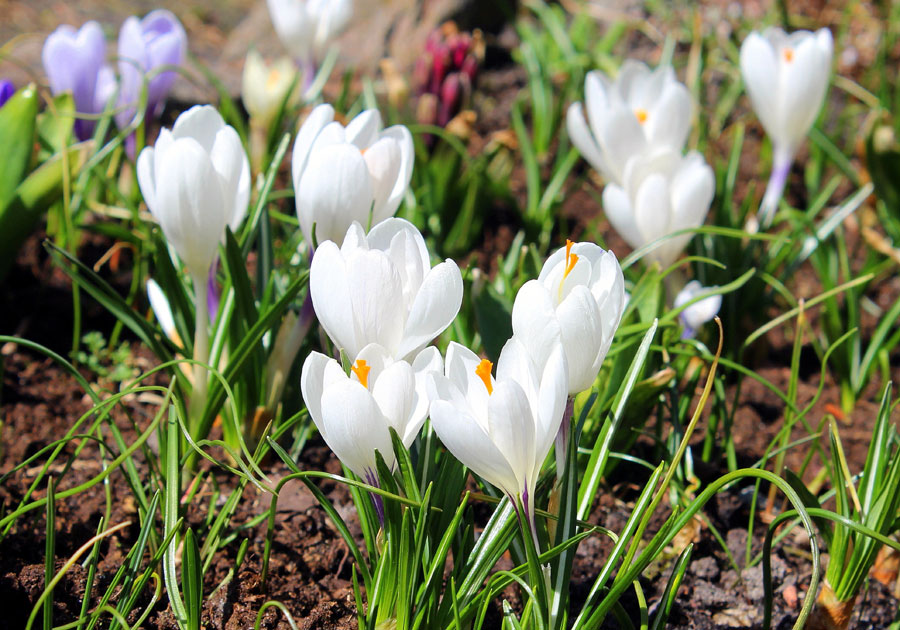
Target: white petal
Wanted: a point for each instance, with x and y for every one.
(435, 307)
(395, 393)
(511, 428)
(671, 120)
(620, 214)
(314, 123)
(469, 442)
(384, 161)
(554, 385)
(312, 385)
(621, 137)
(652, 213)
(146, 174)
(189, 206)
(375, 289)
(534, 320)
(362, 131)
(581, 137)
(404, 140)
(161, 308)
(802, 88)
(759, 68)
(518, 365)
(356, 427)
(334, 190)
(384, 234)
(582, 336)
(329, 288)
(200, 122)
(459, 368)
(231, 163)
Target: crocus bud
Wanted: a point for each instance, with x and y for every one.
(72, 60)
(660, 194)
(354, 413)
(445, 73)
(642, 111)
(144, 46)
(265, 86)
(698, 313)
(501, 428)
(786, 77)
(7, 89)
(341, 175)
(196, 180)
(307, 27)
(577, 301)
(381, 288)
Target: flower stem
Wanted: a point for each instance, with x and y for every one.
(781, 167)
(201, 347)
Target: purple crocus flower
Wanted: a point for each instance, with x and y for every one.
(72, 60)
(145, 45)
(7, 89)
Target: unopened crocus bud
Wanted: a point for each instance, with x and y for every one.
(145, 46)
(698, 313)
(196, 180)
(72, 60)
(445, 74)
(786, 77)
(265, 86)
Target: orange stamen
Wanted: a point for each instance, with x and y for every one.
(789, 54)
(273, 79)
(362, 372)
(483, 371)
(571, 259)
(641, 114)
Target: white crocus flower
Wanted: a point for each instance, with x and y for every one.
(698, 313)
(382, 289)
(577, 301)
(503, 428)
(354, 413)
(641, 111)
(265, 86)
(307, 27)
(786, 77)
(345, 174)
(196, 181)
(661, 194)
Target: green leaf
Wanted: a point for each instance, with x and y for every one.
(54, 126)
(32, 198)
(192, 580)
(809, 501)
(493, 316)
(668, 598)
(17, 123)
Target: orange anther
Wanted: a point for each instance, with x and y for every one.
(789, 54)
(483, 371)
(641, 114)
(362, 372)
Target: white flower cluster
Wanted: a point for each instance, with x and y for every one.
(633, 130)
